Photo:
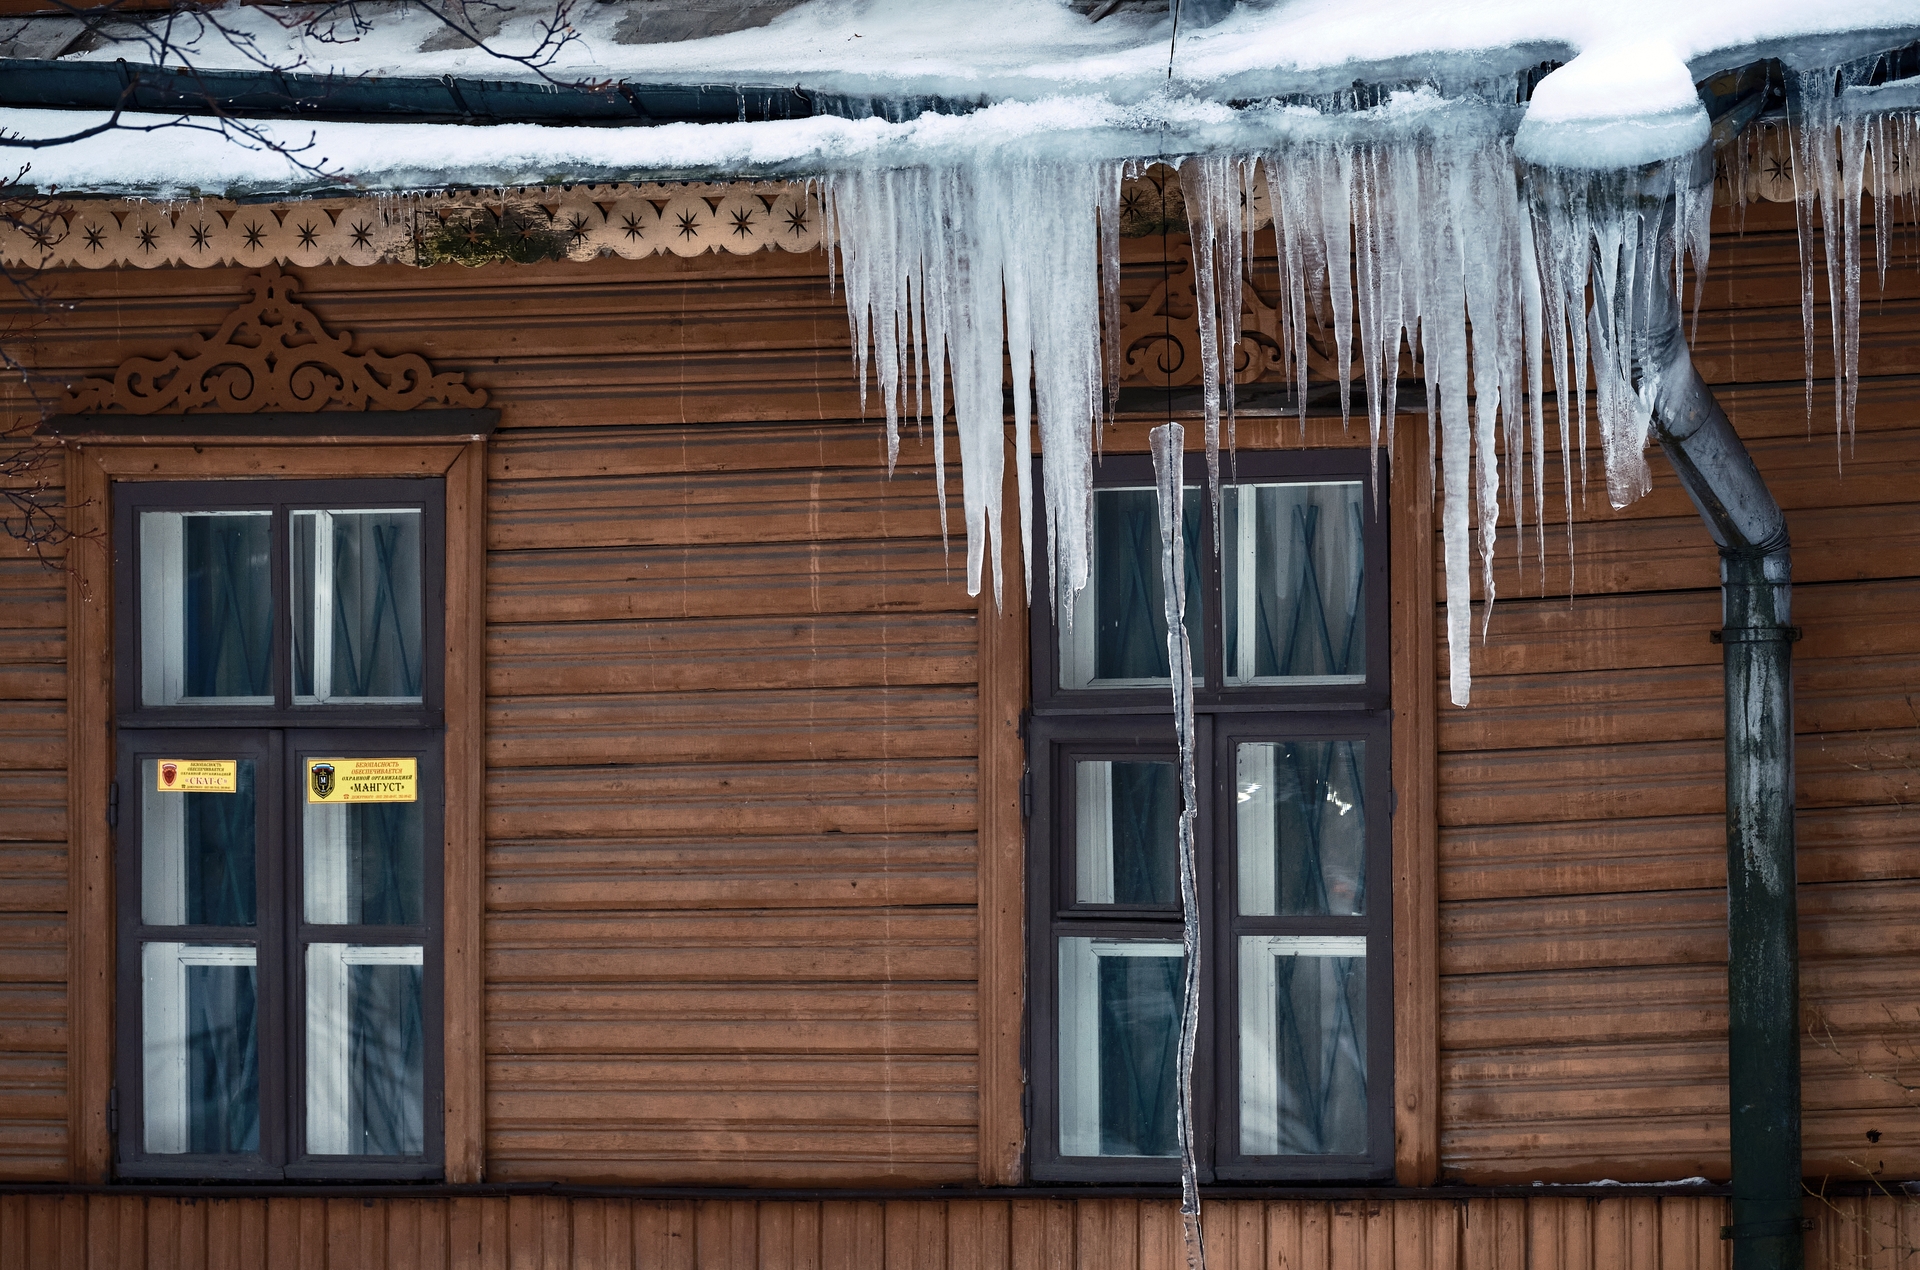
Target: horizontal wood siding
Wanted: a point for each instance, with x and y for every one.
(33, 861)
(732, 745)
(733, 737)
(1582, 847)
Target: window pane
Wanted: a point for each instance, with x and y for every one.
(366, 1050)
(206, 608)
(363, 863)
(357, 606)
(201, 1069)
(1301, 821)
(1127, 818)
(1119, 1044)
(1293, 564)
(1117, 635)
(197, 845)
(1303, 1045)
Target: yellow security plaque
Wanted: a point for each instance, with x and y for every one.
(197, 776)
(362, 780)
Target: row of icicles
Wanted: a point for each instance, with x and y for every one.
(1501, 284)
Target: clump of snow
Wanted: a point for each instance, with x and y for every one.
(1575, 118)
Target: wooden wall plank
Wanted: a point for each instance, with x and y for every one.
(1416, 996)
(90, 766)
(738, 655)
(1001, 862)
(979, 1233)
(464, 860)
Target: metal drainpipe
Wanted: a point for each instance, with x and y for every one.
(1763, 959)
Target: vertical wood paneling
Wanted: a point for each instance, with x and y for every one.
(1627, 1232)
(465, 847)
(1107, 1233)
(90, 845)
(1416, 935)
(1495, 1234)
(1003, 677)
(978, 1234)
(916, 1235)
(852, 1234)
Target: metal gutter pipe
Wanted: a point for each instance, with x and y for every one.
(1763, 961)
(79, 84)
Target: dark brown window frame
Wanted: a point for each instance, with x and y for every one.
(1097, 722)
(277, 734)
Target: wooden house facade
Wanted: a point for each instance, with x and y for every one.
(732, 856)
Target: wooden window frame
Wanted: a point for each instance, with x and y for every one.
(274, 734)
(1069, 722)
(1413, 628)
(326, 448)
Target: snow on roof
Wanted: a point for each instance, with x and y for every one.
(1122, 87)
(1022, 48)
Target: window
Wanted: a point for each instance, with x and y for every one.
(279, 782)
(1287, 618)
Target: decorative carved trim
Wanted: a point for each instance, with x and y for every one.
(271, 353)
(579, 222)
(1160, 340)
(583, 222)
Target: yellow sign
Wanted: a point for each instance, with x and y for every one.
(362, 780)
(197, 776)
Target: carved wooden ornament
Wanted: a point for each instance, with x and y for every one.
(271, 354)
(1160, 339)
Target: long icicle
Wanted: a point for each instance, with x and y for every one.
(1490, 286)
(1169, 445)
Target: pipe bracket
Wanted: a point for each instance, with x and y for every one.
(1755, 634)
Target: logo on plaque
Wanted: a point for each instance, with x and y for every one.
(196, 776)
(363, 780)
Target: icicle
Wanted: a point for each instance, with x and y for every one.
(1828, 171)
(1210, 187)
(1169, 443)
(1419, 234)
(945, 267)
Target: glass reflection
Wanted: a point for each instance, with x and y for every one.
(1301, 827)
(1117, 635)
(1303, 1045)
(200, 1049)
(1127, 822)
(362, 863)
(206, 608)
(357, 606)
(1293, 565)
(366, 1050)
(197, 854)
(1119, 1046)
